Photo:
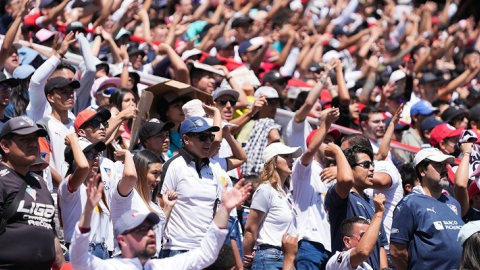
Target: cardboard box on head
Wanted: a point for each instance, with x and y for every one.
(174, 88)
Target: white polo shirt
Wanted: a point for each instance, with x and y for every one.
(309, 193)
(197, 193)
(341, 261)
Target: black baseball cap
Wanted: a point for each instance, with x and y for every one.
(76, 26)
(213, 61)
(242, 22)
(59, 82)
(21, 125)
(98, 146)
(428, 77)
(274, 76)
(12, 82)
(150, 129)
(134, 50)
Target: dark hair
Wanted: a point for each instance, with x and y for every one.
(143, 159)
(347, 225)
(471, 253)
(225, 259)
(116, 98)
(351, 154)
(20, 97)
(8, 138)
(423, 164)
(300, 100)
(408, 175)
(357, 139)
(364, 114)
(65, 66)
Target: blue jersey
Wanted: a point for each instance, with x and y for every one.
(353, 206)
(429, 227)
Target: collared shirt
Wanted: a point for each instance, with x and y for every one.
(198, 188)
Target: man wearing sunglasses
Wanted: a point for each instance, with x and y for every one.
(91, 127)
(425, 226)
(197, 182)
(347, 199)
(359, 239)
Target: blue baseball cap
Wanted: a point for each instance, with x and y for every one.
(23, 72)
(430, 122)
(422, 107)
(247, 46)
(196, 124)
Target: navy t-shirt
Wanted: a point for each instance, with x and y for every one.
(353, 206)
(471, 215)
(429, 227)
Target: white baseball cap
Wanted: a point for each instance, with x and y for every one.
(396, 76)
(190, 53)
(432, 154)
(468, 230)
(267, 91)
(279, 148)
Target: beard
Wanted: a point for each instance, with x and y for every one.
(147, 252)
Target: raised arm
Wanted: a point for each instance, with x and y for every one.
(344, 171)
(387, 137)
(182, 74)
(312, 98)
(11, 33)
(244, 118)
(54, 13)
(83, 93)
(461, 178)
(82, 168)
(367, 242)
(238, 154)
(217, 121)
(312, 149)
(129, 177)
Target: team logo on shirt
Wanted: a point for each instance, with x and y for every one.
(454, 208)
(4, 172)
(340, 258)
(431, 210)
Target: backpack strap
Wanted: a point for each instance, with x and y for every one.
(10, 211)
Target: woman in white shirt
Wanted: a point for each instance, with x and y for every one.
(135, 190)
(272, 211)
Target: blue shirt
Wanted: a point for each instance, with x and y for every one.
(354, 205)
(429, 227)
(471, 215)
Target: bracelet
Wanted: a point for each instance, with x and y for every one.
(126, 63)
(62, 55)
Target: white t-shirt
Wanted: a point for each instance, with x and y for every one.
(109, 176)
(226, 152)
(72, 205)
(279, 215)
(225, 179)
(120, 205)
(341, 261)
(57, 131)
(309, 193)
(393, 194)
(296, 134)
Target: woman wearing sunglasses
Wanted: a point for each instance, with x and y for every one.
(137, 192)
(83, 160)
(272, 211)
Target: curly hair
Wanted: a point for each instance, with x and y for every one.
(350, 154)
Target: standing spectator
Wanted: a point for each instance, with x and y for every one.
(372, 122)
(425, 226)
(5, 93)
(197, 182)
(308, 195)
(359, 239)
(272, 212)
(347, 198)
(26, 243)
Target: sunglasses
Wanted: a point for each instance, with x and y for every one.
(366, 164)
(203, 136)
(223, 101)
(96, 124)
(142, 231)
(108, 92)
(91, 156)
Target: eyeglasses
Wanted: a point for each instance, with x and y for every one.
(366, 164)
(203, 136)
(108, 92)
(143, 230)
(96, 124)
(92, 156)
(5, 88)
(223, 101)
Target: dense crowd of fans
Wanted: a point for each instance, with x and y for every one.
(323, 134)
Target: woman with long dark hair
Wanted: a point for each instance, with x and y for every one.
(19, 98)
(124, 105)
(138, 188)
(469, 238)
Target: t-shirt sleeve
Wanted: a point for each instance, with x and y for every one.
(261, 199)
(332, 200)
(403, 224)
(340, 261)
(386, 166)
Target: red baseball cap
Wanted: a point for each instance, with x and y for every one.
(333, 131)
(473, 190)
(88, 114)
(443, 131)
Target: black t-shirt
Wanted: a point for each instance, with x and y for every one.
(28, 240)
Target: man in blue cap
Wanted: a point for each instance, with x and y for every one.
(196, 179)
(413, 136)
